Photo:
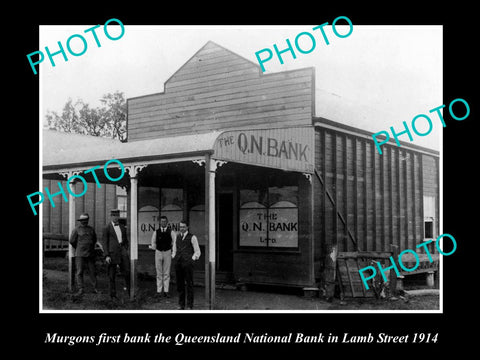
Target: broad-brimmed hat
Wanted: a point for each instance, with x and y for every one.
(84, 216)
(115, 212)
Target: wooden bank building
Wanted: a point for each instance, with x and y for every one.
(275, 194)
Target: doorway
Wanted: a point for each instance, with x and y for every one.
(225, 232)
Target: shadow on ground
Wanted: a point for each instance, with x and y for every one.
(57, 297)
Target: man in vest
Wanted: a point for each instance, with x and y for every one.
(185, 251)
(83, 240)
(115, 247)
(162, 241)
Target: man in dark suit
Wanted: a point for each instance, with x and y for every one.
(185, 250)
(115, 247)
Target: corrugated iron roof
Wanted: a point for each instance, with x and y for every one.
(66, 149)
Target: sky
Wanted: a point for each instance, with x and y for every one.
(377, 77)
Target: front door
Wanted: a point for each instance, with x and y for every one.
(225, 232)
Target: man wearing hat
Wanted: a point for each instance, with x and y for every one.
(83, 240)
(115, 248)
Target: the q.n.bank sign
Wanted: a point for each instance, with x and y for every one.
(282, 148)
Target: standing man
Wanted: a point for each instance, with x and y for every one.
(83, 240)
(162, 242)
(115, 247)
(186, 251)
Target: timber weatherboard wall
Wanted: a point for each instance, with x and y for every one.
(219, 89)
(97, 202)
(379, 196)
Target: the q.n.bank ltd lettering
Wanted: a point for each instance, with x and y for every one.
(272, 147)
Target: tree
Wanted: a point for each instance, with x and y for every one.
(108, 120)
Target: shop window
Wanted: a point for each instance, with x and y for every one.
(171, 206)
(147, 221)
(269, 217)
(429, 229)
(121, 194)
(429, 216)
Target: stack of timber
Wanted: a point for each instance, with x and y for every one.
(349, 280)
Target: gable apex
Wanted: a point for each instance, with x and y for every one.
(209, 57)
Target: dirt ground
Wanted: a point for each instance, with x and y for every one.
(57, 297)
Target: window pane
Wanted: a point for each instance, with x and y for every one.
(283, 216)
(429, 229)
(283, 227)
(429, 206)
(284, 194)
(121, 190)
(171, 205)
(171, 198)
(147, 223)
(253, 227)
(122, 205)
(249, 197)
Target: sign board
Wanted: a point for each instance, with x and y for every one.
(272, 227)
(149, 221)
(147, 224)
(284, 148)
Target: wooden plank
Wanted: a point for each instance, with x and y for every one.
(365, 192)
(55, 236)
(165, 117)
(374, 199)
(364, 254)
(345, 191)
(382, 203)
(414, 215)
(293, 100)
(217, 119)
(211, 80)
(231, 87)
(223, 85)
(349, 278)
(422, 215)
(398, 202)
(296, 115)
(390, 185)
(212, 72)
(273, 120)
(200, 61)
(405, 193)
(343, 279)
(219, 82)
(334, 171)
(324, 192)
(159, 133)
(196, 102)
(355, 186)
(199, 69)
(350, 282)
(330, 197)
(437, 197)
(47, 209)
(221, 64)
